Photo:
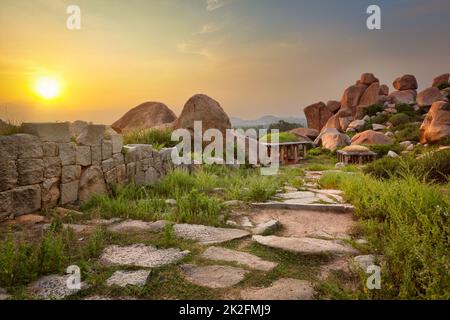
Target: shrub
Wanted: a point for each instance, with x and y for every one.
(431, 167)
(372, 110)
(408, 132)
(380, 119)
(9, 128)
(383, 149)
(444, 86)
(319, 152)
(157, 138)
(196, 207)
(399, 119)
(407, 221)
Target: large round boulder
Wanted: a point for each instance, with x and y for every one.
(146, 115)
(371, 95)
(406, 82)
(371, 137)
(340, 120)
(405, 96)
(317, 115)
(429, 96)
(306, 132)
(368, 79)
(436, 125)
(351, 97)
(440, 80)
(205, 109)
(333, 141)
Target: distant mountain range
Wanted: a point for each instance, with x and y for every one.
(264, 121)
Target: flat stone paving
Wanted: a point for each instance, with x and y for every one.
(213, 276)
(304, 245)
(141, 255)
(53, 287)
(137, 226)
(208, 235)
(249, 260)
(123, 278)
(282, 289)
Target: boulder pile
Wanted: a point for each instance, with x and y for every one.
(369, 113)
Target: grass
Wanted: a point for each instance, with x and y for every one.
(157, 138)
(280, 137)
(406, 221)
(9, 128)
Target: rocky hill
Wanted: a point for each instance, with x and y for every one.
(145, 115)
(368, 113)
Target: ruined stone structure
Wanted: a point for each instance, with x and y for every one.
(52, 164)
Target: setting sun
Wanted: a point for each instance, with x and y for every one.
(48, 87)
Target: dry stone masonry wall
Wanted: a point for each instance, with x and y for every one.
(52, 164)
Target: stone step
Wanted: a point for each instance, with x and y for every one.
(208, 235)
(141, 255)
(213, 276)
(282, 289)
(291, 205)
(305, 245)
(137, 226)
(243, 258)
(123, 278)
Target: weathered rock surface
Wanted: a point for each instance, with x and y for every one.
(123, 278)
(429, 96)
(203, 108)
(243, 258)
(332, 141)
(352, 96)
(91, 183)
(436, 125)
(405, 82)
(442, 79)
(405, 96)
(52, 131)
(141, 255)
(306, 132)
(137, 226)
(368, 79)
(91, 135)
(282, 289)
(53, 287)
(371, 95)
(266, 227)
(145, 115)
(208, 235)
(333, 106)
(371, 137)
(304, 245)
(213, 276)
(317, 115)
(340, 120)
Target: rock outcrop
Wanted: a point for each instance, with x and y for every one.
(436, 125)
(440, 80)
(406, 82)
(371, 137)
(429, 96)
(317, 115)
(203, 108)
(340, 120)
(352, 96)
(146, 115)
(306, 132)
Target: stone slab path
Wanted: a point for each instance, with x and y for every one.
(282, 289)
(208, 235)
(213, 276)
(53, 287)
(305, 245)
(137, 226)
(125, 278)
(246, 259)
(141, 255)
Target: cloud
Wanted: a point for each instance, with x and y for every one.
(207, 28)
(212, 5)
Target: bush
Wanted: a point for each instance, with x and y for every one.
(399, 119)
(196, 207)
(407, 221)
(408, 132)
(431, 167)
(157, 138)
(382, 149)
(380, 119)
(284, 126)
(372, 110)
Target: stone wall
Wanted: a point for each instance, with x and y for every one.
(53, 164)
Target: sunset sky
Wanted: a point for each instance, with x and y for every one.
(255, 57)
